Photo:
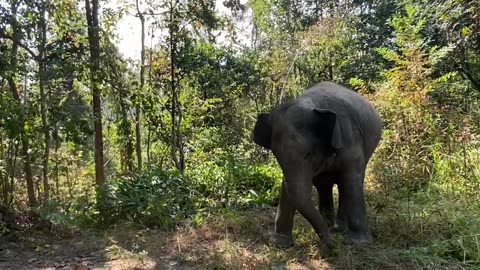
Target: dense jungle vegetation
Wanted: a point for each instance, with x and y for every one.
(148, 162)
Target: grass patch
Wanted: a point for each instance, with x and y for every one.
(431, 232)
(419, 233)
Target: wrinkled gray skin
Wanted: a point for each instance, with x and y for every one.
(324, 137)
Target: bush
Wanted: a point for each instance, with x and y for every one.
(231, 180)
(155, 199)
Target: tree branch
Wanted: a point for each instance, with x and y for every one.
(20, 44)
(32, 53)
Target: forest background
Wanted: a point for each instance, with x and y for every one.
(93, 141)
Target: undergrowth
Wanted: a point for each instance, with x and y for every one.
(422, 192)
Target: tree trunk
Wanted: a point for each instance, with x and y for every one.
(12, 176)
(181, 151)
(56, 169)
(138, 133)
(173, 89)
(7, 176)
(69, 181)
(149, 137)
(32, 201)
(125, 133)
(43, 101)
(4, 178)
(330, 69)
(150, 83)
(138, 137)
(94, 42)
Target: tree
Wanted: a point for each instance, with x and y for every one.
(457, 24)
(138, 134)
(11, 77)
(91, 9)
(42, 40)
(121, 81)
(175, 110)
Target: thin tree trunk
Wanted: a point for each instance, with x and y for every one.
(149, 138)
(4, 178)
(180, 139)
(330, 69)
(8, 180)
(43, 110)
(56, 169)
(25, 93)
(138, 137)
(138, 133)
(173, 90)
(12, 175)
(32, 201)
(94, 42)
(126, 129)
(148, 148)
(68, 180)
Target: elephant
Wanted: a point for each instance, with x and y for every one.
(324, 137)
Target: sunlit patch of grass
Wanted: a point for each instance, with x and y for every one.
(429, 228)
(236, 255)
(114, 251)
(385, 257)
(432, 226)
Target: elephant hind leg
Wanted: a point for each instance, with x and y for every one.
(341, 220)
(354, 208)
(325, 201)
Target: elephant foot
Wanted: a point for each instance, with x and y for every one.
(281, 241)
(359, 239)
(327, 246)
(339, 228)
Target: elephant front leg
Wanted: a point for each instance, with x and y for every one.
(299, 193)
(282, 236)
(352, 195)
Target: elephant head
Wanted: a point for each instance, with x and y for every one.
(262, 132)
(318, 125)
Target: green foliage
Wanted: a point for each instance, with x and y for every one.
(428, 148)
(358, 85)
(326, 52)
(11, 115)
(455, 225)
(230, 180)
(53, 212)
(153, 199)
(160, 199)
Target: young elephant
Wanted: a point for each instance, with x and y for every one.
(324, 137)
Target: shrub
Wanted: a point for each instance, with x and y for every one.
(233, 180)
(155, 198)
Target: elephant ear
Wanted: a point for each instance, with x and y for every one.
(262, 132)
(327, 127)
